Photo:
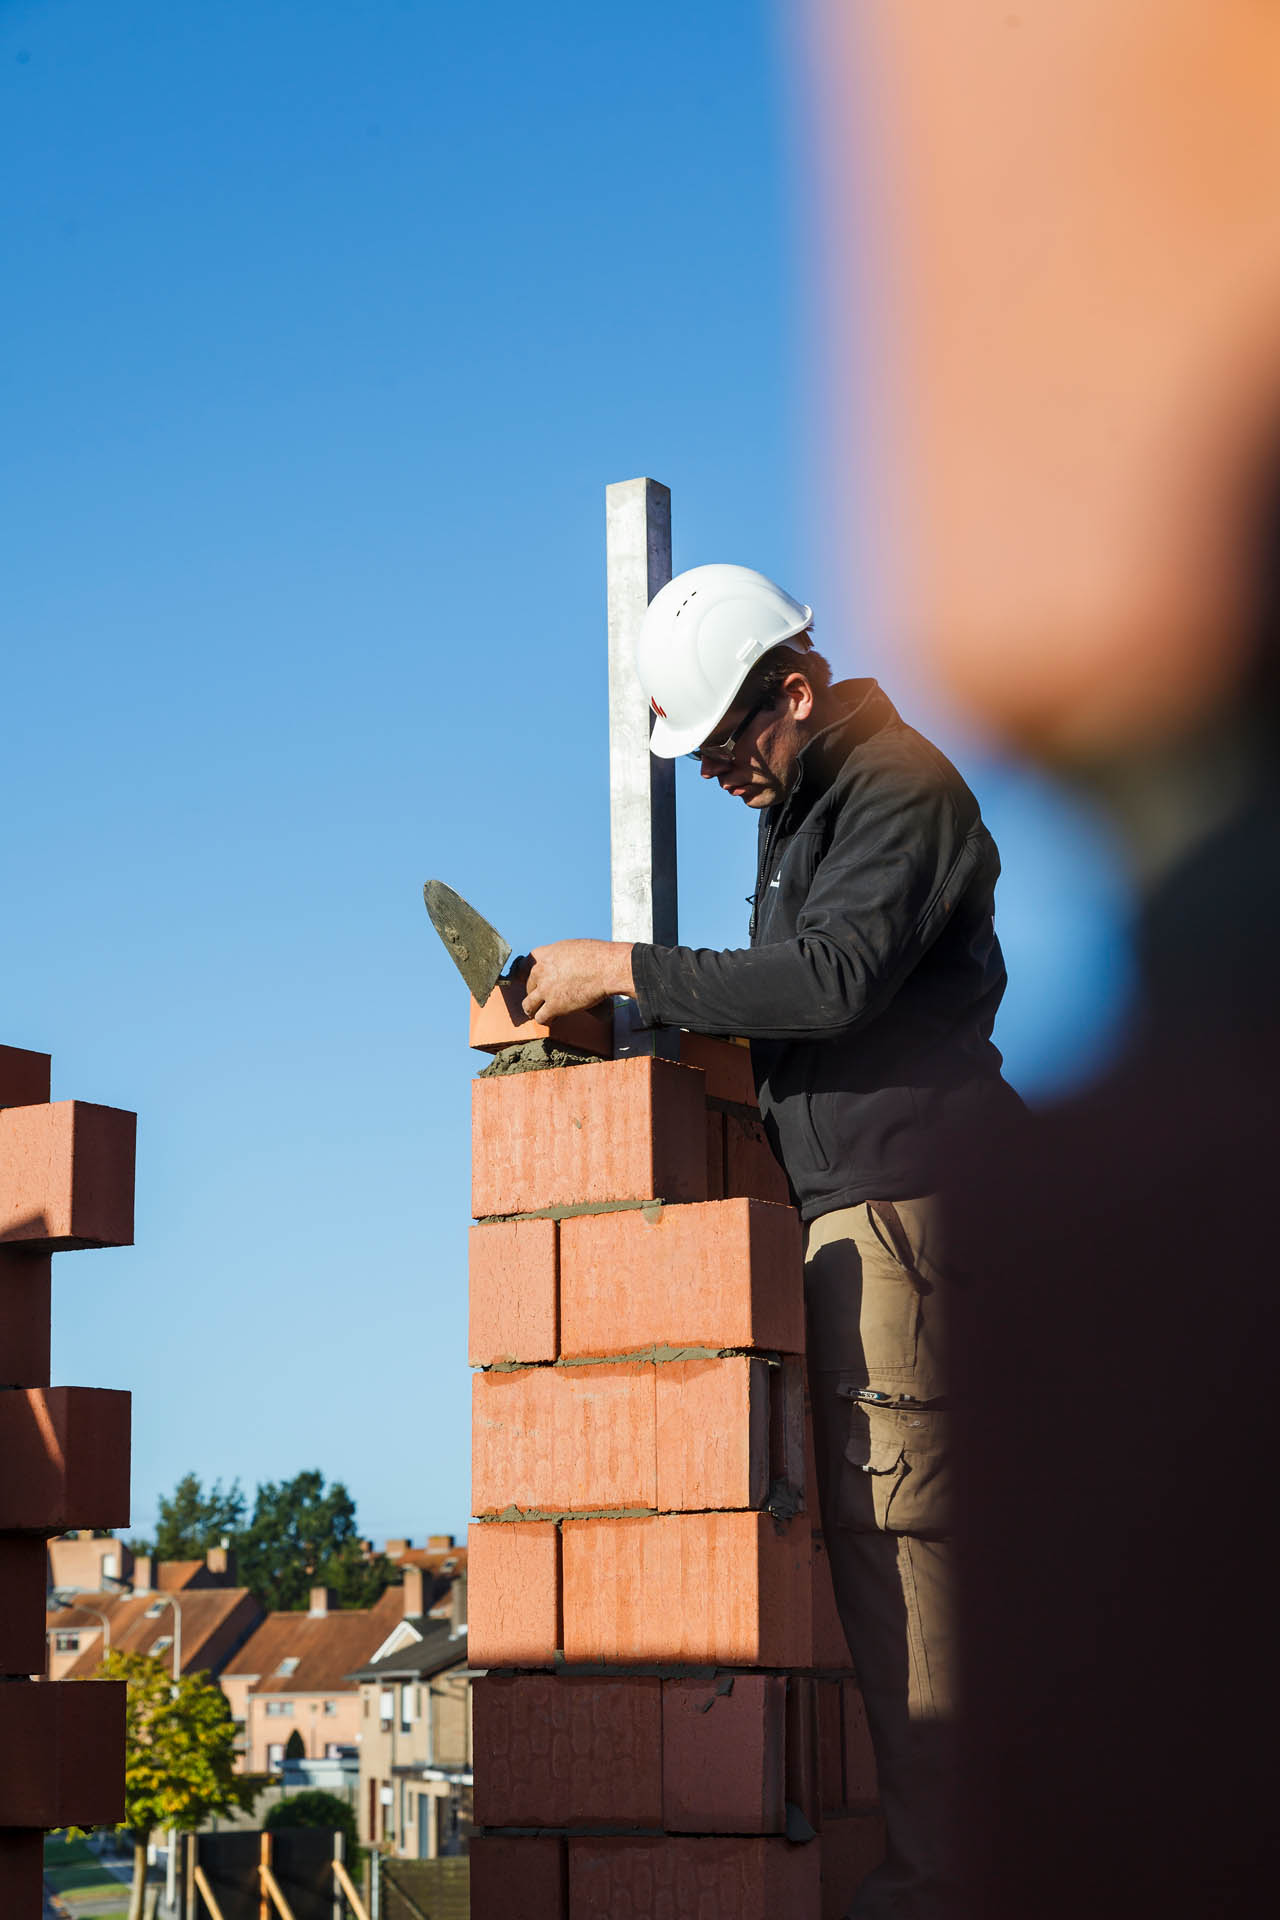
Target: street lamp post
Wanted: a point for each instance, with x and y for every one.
(171, 1862)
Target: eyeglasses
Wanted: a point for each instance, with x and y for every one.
(726, 748)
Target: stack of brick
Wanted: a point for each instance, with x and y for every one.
(66, 1180)
(667, 1723)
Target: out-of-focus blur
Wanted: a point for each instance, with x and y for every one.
(1053, 252)
(1053, 249)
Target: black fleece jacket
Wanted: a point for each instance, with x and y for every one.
(872, 980)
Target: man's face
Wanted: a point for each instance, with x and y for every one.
(765, 745)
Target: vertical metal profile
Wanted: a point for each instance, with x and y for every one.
(642, 790)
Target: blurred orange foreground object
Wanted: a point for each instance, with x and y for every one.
(1067, 399)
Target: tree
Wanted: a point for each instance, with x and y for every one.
(191, 1521)
(303, 1535)
(179, 1755)
(315, 1808)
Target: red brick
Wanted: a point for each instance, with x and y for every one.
(24, 1078)
(723, 1754)
(23, 1573)
(570, 1136)
(726, 1063)
(518, 1877)
(25, 1298)
(713, 1434)
(513, 1594)
(715, 1156)
(22, 1873)
(567, 1750)
(693, 1879)
(731, 1588)
(850, 1848)
(830, 1745)
(501, 1022)
(61, 1753)
(513, 1292)
(860, 1788)
(563, 1439)
(724, 1274)
(749, 1166)
(66, 1175)
(803, 1789)
(830, 1650)
(66, 1458)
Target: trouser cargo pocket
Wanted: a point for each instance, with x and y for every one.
(896, 1473)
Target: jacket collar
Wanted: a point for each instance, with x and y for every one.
(862, 710)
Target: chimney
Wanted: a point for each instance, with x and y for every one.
(397, 1548)
(440, 1540)
(321, 1602)
(220, 1561)
(458, 1605)
(415, 1598)
(142, 1572)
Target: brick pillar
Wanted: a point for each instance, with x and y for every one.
(652, 1735)
(66, 1181)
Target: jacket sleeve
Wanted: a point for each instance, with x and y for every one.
(900, 857)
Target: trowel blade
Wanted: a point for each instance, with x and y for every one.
(479, 951)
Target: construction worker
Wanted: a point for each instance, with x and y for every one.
(868, 994)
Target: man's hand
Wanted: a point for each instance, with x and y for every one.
(572, 974)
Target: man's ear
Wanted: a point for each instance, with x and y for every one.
(798, 693)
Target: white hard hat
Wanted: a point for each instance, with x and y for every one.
(702, 633)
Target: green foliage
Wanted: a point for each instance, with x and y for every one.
(295, 1747)
(191, 1520)
(315, 1808)
(303, 1535)
(179, 1747)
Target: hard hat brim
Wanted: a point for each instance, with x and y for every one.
(669, 743)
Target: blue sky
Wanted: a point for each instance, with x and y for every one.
(325, 326)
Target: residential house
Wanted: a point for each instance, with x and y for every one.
(292, 1676)
(86, 1562)
(203, 1626)
(415, 1735)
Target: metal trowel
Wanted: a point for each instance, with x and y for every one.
(477, 949)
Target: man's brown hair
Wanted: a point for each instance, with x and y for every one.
(797, 655)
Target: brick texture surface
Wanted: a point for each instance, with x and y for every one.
(734, 1589)
(571, 1136)
(66, 1458)
(693, 1879)
(501, 1022)
(22, 1873)
(850, 1848)
(726, 1063)
(66, 1175)
(62, 1754)
(713, 1434)
(724, 1274)
(749, 1166)
(723, 1754)
(24, 1077)
(513, 1593)
(518, 1878)
(25, 1300)
(23, 1568)
(563, 1438)
(513, 1292)
(830, 1745)
(568, 1751)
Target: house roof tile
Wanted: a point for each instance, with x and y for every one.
(325, 1646)
(135, 1629)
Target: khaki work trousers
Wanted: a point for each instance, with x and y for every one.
(875, 1294)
